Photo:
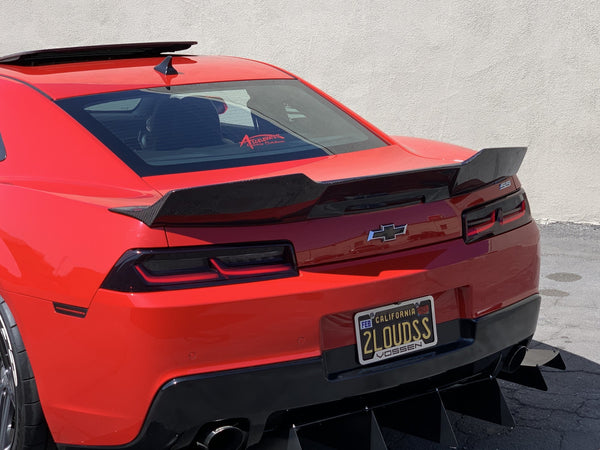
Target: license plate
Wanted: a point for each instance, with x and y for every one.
(394, 330)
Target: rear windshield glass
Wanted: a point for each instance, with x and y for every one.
(212, 126)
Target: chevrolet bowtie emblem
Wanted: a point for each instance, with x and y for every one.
(387, 232)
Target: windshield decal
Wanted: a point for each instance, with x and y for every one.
(261, 139)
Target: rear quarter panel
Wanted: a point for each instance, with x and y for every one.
(57, 238)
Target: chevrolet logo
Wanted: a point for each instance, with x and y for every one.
(387, 232)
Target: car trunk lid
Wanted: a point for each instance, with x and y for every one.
(295, 196)
(330, 220)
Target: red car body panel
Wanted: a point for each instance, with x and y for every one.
(75, 79)
(60, 240)
(159, 336)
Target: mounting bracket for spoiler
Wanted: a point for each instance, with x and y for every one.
(296, 197)
(94, 53)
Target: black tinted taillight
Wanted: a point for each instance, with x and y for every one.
(496, 217)
(143, 270)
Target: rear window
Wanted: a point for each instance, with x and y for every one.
(217, 125)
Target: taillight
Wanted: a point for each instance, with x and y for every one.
(143, 270)
(496, 217)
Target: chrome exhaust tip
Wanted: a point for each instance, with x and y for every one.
(226, 437)
(514, 359)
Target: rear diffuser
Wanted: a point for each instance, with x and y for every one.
(529, 373)
(424, 416)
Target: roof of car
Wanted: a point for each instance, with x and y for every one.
(75, 71)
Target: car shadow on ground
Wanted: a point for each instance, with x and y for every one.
(567, 416)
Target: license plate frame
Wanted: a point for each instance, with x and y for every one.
(395, 330)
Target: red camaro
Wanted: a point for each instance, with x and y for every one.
(209, 252)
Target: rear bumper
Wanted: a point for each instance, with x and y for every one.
(109, 367)
(266, 395)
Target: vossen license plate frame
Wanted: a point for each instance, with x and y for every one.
(394, 330)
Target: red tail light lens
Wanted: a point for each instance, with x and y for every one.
(480, 226)
(514, 214)
(496, 217)
(144, 270)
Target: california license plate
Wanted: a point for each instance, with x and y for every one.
(394, 330)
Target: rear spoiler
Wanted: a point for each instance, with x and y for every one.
(94, 53)
(296, 197)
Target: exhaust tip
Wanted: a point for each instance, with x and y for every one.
(226, 437)
(514, 359)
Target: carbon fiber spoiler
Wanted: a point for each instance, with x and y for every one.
(296, 197)
(94, 53)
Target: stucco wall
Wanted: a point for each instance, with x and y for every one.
(474, 73)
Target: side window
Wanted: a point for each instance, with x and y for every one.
(237, 113)
(293, 113)
(124, 118)
(126, 105)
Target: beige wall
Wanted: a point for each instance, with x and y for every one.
(474, 73)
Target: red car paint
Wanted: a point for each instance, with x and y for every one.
(98, 375)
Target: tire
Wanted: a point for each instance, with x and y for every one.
(22, 424)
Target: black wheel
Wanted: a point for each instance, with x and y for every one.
(22, 424)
